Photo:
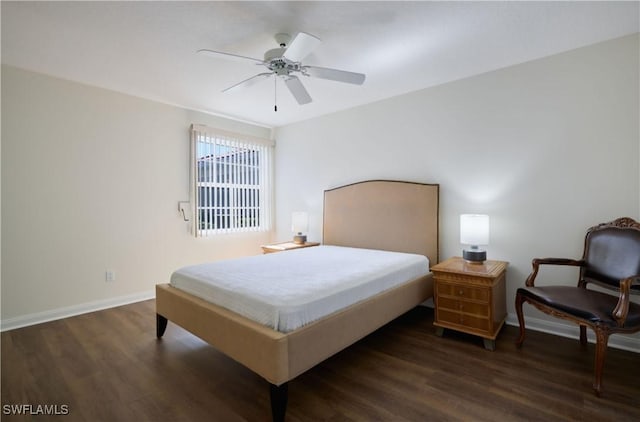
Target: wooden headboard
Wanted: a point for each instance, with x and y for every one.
(382, 214)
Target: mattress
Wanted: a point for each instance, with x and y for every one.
(288, 290)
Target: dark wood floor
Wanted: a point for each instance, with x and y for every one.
(108, 366)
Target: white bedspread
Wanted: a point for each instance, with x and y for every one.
(287, 290)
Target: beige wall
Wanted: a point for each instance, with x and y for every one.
(91, 181)
(546, 148)
(91, 178)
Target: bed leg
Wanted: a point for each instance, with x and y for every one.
(279, 395)
(161, 325)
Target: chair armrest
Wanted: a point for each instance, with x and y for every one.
(621, 310)
(550, 261)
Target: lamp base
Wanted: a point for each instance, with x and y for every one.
(474, 256)
(300, 239)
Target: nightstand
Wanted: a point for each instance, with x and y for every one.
(286, 246)
(470, 298)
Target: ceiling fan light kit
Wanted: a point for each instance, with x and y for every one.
(283, 39)
(285, 62)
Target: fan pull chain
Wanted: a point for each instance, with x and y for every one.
(275, 93)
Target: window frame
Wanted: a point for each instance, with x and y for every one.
(231, 182)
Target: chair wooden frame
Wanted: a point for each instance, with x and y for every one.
(619, 314)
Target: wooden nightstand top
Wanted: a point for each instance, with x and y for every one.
(286, 246)
(457, 265)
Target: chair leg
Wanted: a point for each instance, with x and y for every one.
(602, 338)
(519, 301)
(583, 335)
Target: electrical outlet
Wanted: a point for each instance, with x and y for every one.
(109, 276)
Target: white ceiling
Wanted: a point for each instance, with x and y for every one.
(148, 49)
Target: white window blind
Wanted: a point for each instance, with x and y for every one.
(231, 179)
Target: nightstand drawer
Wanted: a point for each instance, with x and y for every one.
(470, 298)
(449, 304)
(457, 290)
(463, 320)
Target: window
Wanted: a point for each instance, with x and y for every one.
(232, 181)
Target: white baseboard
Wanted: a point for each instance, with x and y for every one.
(624, 342)
(618, 341)
(69, 311)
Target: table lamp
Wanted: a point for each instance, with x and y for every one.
(299, 225)
(474, 232)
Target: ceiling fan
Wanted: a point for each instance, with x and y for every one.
(286, 62)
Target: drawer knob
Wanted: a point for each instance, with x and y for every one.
(461, 292)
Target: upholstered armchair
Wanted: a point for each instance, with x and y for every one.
(611, 260)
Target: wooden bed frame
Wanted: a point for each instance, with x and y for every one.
(387, 215)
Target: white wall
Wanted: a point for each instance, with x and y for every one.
(91, 178)
(91, 181)
(547, 148)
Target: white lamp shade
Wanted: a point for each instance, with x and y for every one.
(474, 229)
(299, 222)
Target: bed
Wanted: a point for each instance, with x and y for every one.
(381, 215)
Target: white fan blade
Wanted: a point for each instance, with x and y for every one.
(335, 75)
(297, 90)
(301, 46)
(228, 56)
(249, 82)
